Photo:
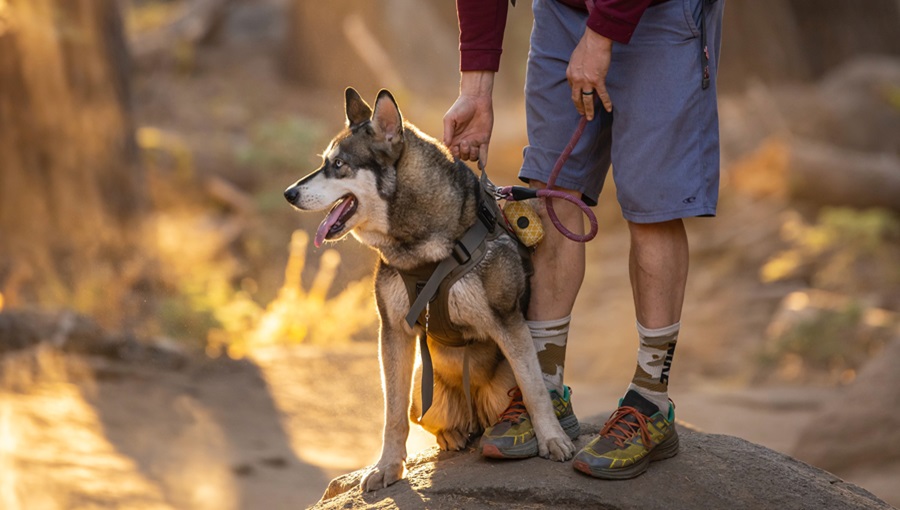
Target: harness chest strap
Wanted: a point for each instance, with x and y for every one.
(462, 253)
(428, 373)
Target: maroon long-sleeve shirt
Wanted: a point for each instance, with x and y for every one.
(482, 23)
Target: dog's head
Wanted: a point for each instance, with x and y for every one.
(358, 170)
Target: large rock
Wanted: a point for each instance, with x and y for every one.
(711, 471)
(860, 426)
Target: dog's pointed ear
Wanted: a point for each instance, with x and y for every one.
(387, 119)
(358, 111)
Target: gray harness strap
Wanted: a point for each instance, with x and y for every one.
(462, 253)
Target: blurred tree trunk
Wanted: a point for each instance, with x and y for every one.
(316, 50)
(831, 31)
(800, 40)
(70, 187)
(404, 45)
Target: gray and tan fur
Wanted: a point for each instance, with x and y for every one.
(402, 193)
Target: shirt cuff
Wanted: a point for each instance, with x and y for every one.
(618, 30)
(479, 60)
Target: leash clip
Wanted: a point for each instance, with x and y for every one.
(487, 216)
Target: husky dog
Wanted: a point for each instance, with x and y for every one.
(402, 193)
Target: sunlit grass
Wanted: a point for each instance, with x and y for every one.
(296, 315)
(208, 305)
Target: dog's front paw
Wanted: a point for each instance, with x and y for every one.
(558, 448)
(381, 475)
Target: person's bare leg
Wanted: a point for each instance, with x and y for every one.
(658, 266)
(558, 274)
(558, 263)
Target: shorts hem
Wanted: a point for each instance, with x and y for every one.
(525, 175)
(659, 217)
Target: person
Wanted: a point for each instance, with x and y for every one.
(651, 65)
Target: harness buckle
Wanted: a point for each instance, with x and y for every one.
(460, 253)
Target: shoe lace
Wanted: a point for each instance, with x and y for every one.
(621, 430)
(516, 408)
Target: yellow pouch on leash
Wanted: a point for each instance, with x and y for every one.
(524, 221)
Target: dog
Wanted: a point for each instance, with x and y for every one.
(402, 193)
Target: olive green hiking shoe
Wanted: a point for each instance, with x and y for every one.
(512, 437)
(637, 434)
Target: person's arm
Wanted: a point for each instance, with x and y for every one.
(481, 27)
(469, 122)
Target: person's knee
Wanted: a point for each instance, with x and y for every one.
(666, 240)
(640, 231)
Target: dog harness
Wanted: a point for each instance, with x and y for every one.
(428, 287)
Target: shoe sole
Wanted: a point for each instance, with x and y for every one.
(529, 448)
(570, 426)
(665, 450)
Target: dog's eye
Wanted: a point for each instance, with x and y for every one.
(338, 162)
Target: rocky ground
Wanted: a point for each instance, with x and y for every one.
(711, 471)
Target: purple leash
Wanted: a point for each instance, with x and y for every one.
(513, 193)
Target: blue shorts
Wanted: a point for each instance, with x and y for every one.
(662, 138)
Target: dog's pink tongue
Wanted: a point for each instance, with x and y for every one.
(330, 220)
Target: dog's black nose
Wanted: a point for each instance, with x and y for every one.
(291, 194)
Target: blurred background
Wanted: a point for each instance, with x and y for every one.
(170, 339)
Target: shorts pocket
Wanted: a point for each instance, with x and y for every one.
(692, 15)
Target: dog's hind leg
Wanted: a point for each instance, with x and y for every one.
(447, 418)
(492, 395)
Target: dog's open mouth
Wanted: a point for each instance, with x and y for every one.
(334, 223)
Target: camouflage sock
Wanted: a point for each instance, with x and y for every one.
(651, 376)
(550, 342)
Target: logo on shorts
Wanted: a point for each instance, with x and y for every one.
(689, 200)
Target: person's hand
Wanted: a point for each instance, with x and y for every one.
(587, 72)
(469, 122)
